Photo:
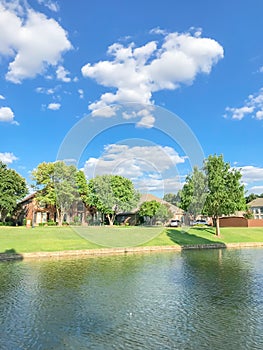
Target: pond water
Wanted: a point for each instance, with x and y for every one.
(209, 299)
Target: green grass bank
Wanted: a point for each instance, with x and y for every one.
(50, 239)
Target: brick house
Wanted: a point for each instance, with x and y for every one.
(36, 213)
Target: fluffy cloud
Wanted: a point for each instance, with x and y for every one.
(253, 106)
(2, 97)
(62, 74)
(7, 157)
(168, 185)
(252, 177)
(144, 165)
(251, 174)
(54, 106)
(256, 189)
(32, 39)
(137, 72)
(7, 115)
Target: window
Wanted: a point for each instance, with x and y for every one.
(80, 206)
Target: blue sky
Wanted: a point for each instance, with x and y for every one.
(68, 63)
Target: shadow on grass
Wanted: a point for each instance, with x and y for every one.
(10, 254)
(186, 239)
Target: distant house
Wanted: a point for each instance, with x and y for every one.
(132, 217)
(256, 206)
(239, 219)
(36, 213)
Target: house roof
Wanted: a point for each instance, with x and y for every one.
(148, 197)
(258, 202)
(30, 196)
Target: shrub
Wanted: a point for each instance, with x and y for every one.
(51, 223)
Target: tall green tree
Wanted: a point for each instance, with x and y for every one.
(163, 213)
(56, 185)
(252, 196)
(225, 192)
(149, 209)
(172, 198)
(193, 193)
(12, 188)
(82, 187)
(111, 194)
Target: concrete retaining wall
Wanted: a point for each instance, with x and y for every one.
(131, 250)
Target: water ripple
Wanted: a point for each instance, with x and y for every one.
(188, 300)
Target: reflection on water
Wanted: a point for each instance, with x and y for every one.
(211, 299)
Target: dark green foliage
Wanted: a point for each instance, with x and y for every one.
(253, 196)
(12, 189)
(82, 187)
(149, 209)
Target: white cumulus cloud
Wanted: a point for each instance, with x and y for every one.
(251, 174)
(7, 157)
(31, 40)
(62, 74)
(252, 106)
(7, 115)
(146, 166)
(137, 72)
(54, 106)
(163, 185)
(256, 189)
(2, 97)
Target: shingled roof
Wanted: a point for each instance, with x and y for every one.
(258, 202)
(147, 197)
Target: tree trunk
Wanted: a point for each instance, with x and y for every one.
(217, 226)
(110, 219)
(59, 217)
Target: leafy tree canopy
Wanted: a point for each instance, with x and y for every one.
(225, 192)
(111, 194)
(12, 188)
(214, 191)
(149, 209)
(172, 198)
(56, 184)
(193, 193)
(253, 196)
(163, 213)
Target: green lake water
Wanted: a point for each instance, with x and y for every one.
(209, 299)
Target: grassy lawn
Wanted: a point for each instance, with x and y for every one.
(22, 240)
(207, 235)
(41, 239)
